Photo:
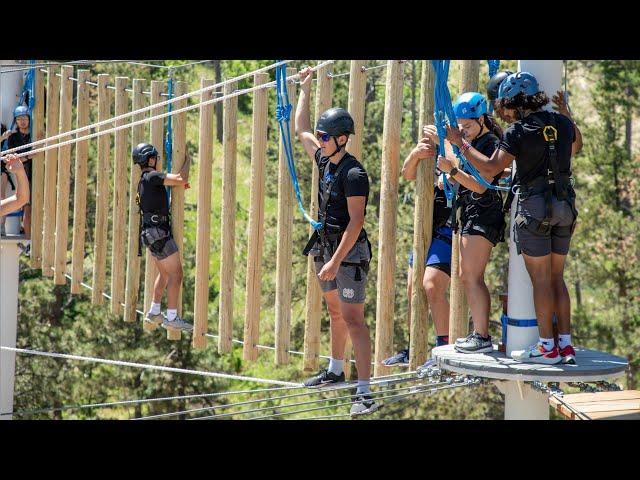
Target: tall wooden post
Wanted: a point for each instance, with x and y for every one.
(119, 211)
(203, 233)
(178, 153)
(64, 177)
(103, 167)
(156, 133)
(285, 245)
(388, 212)
(313, 310)
(133, 260)
(256, 220)
(422, 229)
(37, 183)
(459, 309)
(357, 92)
(228, 225)
(80, 185)
(50, 174)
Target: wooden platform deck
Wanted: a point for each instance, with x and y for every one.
(624, 405)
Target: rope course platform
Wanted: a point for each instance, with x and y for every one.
(624, 405)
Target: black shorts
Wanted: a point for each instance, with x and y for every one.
(484, 220)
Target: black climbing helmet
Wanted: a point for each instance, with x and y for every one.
(335, 122)
(142, 153)
(494, 84)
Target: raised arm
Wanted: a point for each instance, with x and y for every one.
(303, 123)
(181, 178)
(562, 107)
(21, 197)
(424, 149)
(488, 167)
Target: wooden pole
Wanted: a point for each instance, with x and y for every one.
(80, 185)
(285, 246)
(103, 166)
(458, 308)
(133, 261)
(37, 183)
(422, 229)
(156, 134)
(256, 220)
(357, 92)
(51, 174)
(313, 310)
(203, 232)
(119, 209)
(179, 152)
(388, 212)
(64, 177)
(228, 215)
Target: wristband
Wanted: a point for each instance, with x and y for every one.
(465, 146)
(453, 171)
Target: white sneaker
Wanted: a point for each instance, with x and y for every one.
(537, 354)
(362, 405)
(177, 324)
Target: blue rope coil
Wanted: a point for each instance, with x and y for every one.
(283, 115)
(168, 141)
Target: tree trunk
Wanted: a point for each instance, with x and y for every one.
(414, 113)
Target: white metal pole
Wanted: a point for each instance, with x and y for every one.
(9, 254)
(522, 328)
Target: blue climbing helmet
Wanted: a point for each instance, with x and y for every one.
(20, 111)
(470, 105)
(519, 82)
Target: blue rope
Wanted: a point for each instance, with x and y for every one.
(494, 66)
(443, 106)
(168, 141)
(283, 114)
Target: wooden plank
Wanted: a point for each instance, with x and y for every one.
(132, 286)
(80, 187)
(619, 415)
(203, 233)
(119, 210)
(37, 183)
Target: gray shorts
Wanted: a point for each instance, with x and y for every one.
(350, 281)
(556, 240)
(159, 241)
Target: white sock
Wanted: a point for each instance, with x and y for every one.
(547, 343)
(363, 387)
(564, 340)
(155, 309)
(336, 366)
(172, 314)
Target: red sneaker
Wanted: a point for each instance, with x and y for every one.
(568, 355)
(537, 354)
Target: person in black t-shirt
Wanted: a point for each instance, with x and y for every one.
(341, 249)
(546, 212)
(21, 135)
(155, 234)
(481, 217)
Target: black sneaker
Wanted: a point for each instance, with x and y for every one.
(324, 377)
(362, 405)
(475, 344)
(400, 358)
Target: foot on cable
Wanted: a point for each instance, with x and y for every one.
(363, 404)
(424, 369)
(567, 355)
(475, 343)
(177, 324)
(537, 354)
(400, 359)
(323, 378)
(153, 319)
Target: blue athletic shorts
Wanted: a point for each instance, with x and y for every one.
(439, 254)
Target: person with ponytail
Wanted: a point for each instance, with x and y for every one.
(481, 223)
